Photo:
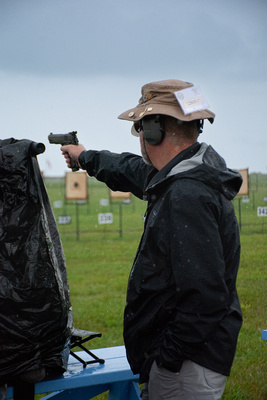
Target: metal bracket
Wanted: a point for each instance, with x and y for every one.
(80, 336)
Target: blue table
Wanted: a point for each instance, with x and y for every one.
(79, 383)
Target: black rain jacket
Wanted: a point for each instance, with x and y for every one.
(181, 301)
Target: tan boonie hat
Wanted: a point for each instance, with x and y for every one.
(159, 98)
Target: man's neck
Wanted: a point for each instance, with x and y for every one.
(163, 153)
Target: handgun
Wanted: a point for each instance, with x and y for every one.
(63, 139)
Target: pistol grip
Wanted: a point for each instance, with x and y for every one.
(74, 166)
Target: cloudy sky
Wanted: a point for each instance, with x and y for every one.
(77, 64)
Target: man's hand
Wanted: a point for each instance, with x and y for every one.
(72, 152)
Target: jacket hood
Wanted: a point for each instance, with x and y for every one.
(207, 166)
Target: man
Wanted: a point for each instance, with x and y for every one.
(182, 315)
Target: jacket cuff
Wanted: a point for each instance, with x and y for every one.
(81, 160)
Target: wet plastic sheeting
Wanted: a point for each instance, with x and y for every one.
(35, 309)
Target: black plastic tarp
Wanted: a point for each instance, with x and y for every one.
(35, 309)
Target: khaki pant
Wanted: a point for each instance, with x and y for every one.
(194, 382)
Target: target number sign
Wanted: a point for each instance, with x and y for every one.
(105, 218)
(262, 211)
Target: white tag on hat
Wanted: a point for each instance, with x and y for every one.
(191, 100)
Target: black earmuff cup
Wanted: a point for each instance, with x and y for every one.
(153, 129)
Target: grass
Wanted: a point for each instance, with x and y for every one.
(248, 377)
(99, 261)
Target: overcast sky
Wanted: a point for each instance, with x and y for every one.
(77, 64)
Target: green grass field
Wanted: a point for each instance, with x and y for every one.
(99, 260)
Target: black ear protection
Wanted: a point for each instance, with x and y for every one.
(153, 129)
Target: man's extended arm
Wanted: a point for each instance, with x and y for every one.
(125, 172)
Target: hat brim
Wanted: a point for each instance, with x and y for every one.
(142, 110)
